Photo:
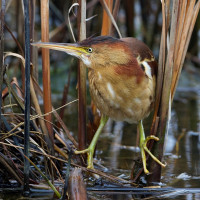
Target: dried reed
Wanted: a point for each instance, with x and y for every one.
(82, 79)
(44, 5)
(184, 15)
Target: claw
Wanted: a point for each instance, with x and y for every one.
(82, 151)
(90, 153)
(152, 137)
(91, 148)
(143, 147)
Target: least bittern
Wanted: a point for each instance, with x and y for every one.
(122, 78)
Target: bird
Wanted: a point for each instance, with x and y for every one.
(122, 82)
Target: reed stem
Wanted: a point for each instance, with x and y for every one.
(27, 97)
(46, 67)
(82, 79)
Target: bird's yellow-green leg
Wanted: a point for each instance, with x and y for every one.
(91, 148)
(143, 147)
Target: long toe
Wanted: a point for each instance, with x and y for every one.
(144, 161)
(82, 151)
(90, 152)
(152, 137)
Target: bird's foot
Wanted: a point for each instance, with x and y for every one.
(90, 152)
(91, 148)
(143, 146)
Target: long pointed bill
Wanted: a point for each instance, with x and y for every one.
(71, 49)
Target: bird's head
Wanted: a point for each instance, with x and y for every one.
(94, 52)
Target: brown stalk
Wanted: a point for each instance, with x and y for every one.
(77, 188)
(161, 63)
(46, 66)
(129, 11)
(165, 98)
(82, 79)
(182, 12)
(106, 22)
(184, 16)
(193, 21)
(167, 15)
(105, 6)
(190, 19)
(186, 22)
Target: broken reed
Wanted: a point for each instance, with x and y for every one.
(44, 5)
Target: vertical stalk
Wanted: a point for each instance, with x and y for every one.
(109, 13)
(106, 23)
(182, 24)
(46, 66)
(27, 97)
(82, 79)
(129, 11)
(2, 13)
(158, 148)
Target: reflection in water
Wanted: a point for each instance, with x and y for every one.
(116, 142)
(187, 160)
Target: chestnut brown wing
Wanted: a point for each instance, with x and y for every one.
(142, 51)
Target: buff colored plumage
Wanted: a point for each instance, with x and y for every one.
(122, 79)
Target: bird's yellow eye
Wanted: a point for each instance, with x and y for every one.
(90, 50)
